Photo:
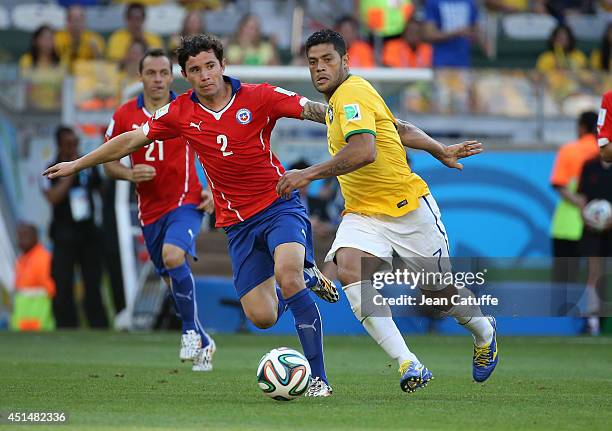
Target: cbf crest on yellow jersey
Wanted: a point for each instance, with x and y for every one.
(386, 186)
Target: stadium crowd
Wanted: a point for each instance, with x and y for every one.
(379, 33)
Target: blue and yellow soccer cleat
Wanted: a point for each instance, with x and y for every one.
(414, 376)
(485, 357)
(322, 286)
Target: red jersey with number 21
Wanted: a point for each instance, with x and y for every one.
(233, 144)
(604, 122)
(175, 183)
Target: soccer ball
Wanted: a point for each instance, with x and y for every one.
(283, 374)
(598, 213)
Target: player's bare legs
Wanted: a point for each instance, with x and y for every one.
(261, 304)
(196, 345)
(355, 267)
(469, 316)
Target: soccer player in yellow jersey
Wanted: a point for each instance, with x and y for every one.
(388, 208)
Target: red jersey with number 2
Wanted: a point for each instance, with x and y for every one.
(604, 122)
(176, 182)
(233, 144)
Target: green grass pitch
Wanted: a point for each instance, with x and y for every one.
(135, 381)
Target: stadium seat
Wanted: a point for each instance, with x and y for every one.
(165, 20)
(587, 27)
(104, 19)
(5, 20)
(30, 16)
(528, 26)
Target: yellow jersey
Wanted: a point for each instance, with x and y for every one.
(121, 40)
(386, 186)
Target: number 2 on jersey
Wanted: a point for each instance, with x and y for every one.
(222, 139)
(149, 156)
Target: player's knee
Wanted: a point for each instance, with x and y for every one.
(173, 257)
(289, 277)
(261, 319)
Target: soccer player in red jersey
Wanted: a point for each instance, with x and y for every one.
(229, 125)
(604, 127)
(170, 200)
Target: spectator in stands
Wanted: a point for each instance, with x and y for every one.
(562, 53)
(596, 244)
(121, 40)
(248, 46)
(450, 26)
(200, 4)
(567, 223)
(516, 6)
(360, 52)
(34, 287)
(129, 66)
(409, 50)
(42, 53)
(385, 18)
(600, 58)
(76, 239)
(76, 42)
(192, 24)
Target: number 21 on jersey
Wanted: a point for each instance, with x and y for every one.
(151, 153)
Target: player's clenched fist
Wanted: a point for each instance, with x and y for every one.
(63, 169)
(142, 173)
(290, 181)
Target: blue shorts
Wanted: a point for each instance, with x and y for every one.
(179, 227)
(252, 242)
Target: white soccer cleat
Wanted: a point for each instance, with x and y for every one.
(203, 360)
(318, 388)
(191, 344)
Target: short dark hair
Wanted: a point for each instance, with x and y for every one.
(588, 121)
(157, 52)
(327, 36)
(193, 45)
(61, 130)
(134, 7)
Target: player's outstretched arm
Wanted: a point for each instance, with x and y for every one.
(115, 149)
(358, 152)
(314, 111)
(413, 137)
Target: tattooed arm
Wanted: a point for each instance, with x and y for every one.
(358, 152)
(314, 111)
(413, 137)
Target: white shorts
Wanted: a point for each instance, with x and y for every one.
(418, 238)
